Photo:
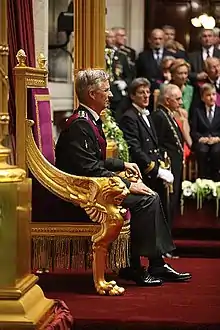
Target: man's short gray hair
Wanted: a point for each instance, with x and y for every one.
(87, 80)
(167, 91)
(137, 82)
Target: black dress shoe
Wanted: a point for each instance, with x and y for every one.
(141, 277)
(167, 274)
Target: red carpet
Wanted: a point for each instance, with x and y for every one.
(192, 306)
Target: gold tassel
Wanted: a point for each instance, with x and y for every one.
(64, 252)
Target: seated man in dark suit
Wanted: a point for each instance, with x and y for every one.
(81, 150)
(205, 132)
(141, 137)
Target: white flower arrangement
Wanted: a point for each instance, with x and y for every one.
(201, 189)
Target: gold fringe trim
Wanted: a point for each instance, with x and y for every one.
(64, 252)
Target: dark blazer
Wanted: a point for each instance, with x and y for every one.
(200, 125)
(142, 141)
(78, 151)
(147, 66)
(197, 63)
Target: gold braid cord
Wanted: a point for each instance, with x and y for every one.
(100, 197)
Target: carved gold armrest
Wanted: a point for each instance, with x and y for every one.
(101, 198)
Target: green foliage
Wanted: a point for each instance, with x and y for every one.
(113, 132)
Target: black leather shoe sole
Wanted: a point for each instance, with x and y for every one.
(141, 277)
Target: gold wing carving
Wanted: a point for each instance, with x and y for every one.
(100, 197)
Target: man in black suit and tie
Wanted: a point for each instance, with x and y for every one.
(148, 62)
(205, 132)
(169, 135)
(196, 59)
(81, 150)
(141, 137)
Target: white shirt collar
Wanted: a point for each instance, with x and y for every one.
(141, 110)
(93, 113)
(211, 51)
(208, 108)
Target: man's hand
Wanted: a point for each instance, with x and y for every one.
(134, 168)
(213, 140)
(204, 140)
(140, 188)
(202, 76)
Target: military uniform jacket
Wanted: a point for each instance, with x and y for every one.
(142, 141)
(170, 138)
(78, 149)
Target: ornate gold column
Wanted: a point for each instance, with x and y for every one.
(22, 302)
(89, 35)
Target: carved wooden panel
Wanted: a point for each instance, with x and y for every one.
(179, 14)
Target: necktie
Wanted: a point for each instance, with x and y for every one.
(210, 116)
(157, 52)
(208, 54)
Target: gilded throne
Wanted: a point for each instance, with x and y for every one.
(59, 239)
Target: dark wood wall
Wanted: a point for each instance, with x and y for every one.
(179, 14)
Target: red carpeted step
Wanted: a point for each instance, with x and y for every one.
(203, 248)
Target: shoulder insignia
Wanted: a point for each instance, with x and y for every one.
(123, 52)
(127, 49)
(83, 114)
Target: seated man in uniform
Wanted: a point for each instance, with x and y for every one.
(81, 150)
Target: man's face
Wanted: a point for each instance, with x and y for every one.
(213, 69)
(110, 39)
(209, 97)
(207, 38)
(169, 34)
(120, 37)
(141, 97)
(101, 96)
(174, 102)
(157, 39)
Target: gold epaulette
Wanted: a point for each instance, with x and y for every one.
(150, 167)
(123, 52)
(127, 49)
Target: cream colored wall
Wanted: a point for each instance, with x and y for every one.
(130, 14)
(127, 13)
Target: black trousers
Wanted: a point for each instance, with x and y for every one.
(150, 232)
(208, 157)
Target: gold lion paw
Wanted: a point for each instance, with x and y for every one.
(109, 288)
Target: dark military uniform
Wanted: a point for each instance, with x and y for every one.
(170, 139)
(143, 149)
(118, 68)
(131, 56)
(78, 152)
